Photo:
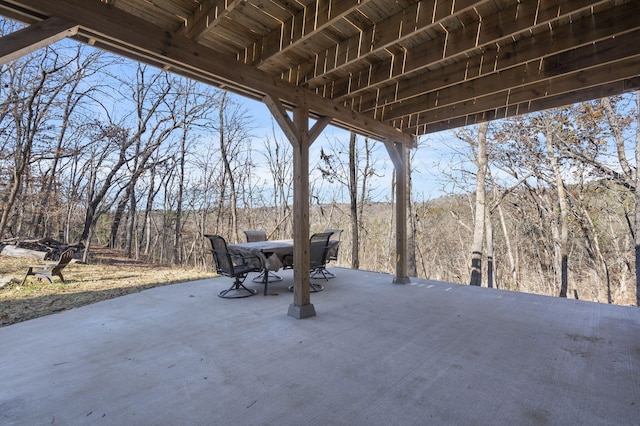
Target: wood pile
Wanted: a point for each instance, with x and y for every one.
(40, 249)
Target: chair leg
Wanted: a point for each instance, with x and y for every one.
(321, 270)
(271, 277)
(265, 280)
(237, 286)
(313, 287)
(29, 272)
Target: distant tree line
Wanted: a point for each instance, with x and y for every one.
(553, 207)
(98, 150)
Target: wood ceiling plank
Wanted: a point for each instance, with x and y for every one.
(423, 16)
(207, 15)
(557, 87)
(150, 12)
(460, 44)
(299, 27)
(387, 32)
(584, 32)
(584, 58)
(609, 89)
(120, 31)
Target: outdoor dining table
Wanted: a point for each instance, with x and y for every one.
(271, 252)
(269, 255)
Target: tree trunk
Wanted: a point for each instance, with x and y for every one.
(563, 243)
(489, 249)
(353, 202)
(179, 200)
(228, 172)
(412, 269)
(480, 206)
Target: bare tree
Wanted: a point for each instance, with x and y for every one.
(277, 155)
(153, 126)
(478, 145)
(34, 86)
(355, 175)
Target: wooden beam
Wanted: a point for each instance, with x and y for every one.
(605, 90)
(300, 137)
(422, 16)
(560, 86)
(496, 30)
(279, 113)
(301, 307)
(318, 127)
(207, 15)
(503, 60)
(319, 15)
(27, 40)
(124, 33)
(535, 74)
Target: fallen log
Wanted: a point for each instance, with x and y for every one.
(14, 251)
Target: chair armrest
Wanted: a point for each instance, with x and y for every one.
(44, 265)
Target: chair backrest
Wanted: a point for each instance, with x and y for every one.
(221, 256)
(318, 247)
(335, 235)
(254, 236)
(64, 260)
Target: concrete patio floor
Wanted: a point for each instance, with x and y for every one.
(375, 354)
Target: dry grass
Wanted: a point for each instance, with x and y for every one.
(107, 276)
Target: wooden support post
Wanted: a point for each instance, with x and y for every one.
(398, 154)
(300, 137)
(301, 306)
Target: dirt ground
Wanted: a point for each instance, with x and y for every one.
(108, 275)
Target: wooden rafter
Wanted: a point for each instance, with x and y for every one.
(373, 65)
(30, 39)
(554, 93)
(589, 66)
(503, 59)
(499, 29)
(298, 29)
(207, 15)
(420, 17)
(122, 32)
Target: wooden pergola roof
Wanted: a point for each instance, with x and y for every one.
(388, 69)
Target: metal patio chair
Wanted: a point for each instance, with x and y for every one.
(257, 236)
(318, 249)
(233, 266)
(332, 255)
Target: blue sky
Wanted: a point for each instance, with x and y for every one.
(429, 156)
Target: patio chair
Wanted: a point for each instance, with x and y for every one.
(233, 266)
(265, 276)
(332, 255)
(53, 269)
(318, 249)
(255, 236)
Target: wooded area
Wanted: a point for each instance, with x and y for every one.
(100, 151)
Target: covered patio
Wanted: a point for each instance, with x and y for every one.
(377, 354)
(392, 70)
